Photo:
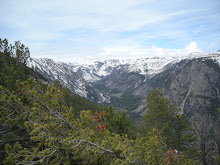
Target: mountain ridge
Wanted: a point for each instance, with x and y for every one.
(120, 82)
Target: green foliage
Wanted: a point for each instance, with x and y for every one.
(151, 149)
(117, 122)
(51, 133)
(130, 101)
(165, 117)
(41, 124)
(12, 63)
(77, 102)
(161, 113)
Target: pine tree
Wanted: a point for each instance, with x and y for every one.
(13, 63)
(117, 122)
(165, 117)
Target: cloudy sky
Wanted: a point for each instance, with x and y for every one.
(83, 30)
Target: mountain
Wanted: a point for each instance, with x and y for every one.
(81, 78)
(67, 77)
(100, 69)
(95, 71)
(190, 82)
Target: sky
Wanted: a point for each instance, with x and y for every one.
(88, 30)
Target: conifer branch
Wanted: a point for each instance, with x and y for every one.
(92, 144)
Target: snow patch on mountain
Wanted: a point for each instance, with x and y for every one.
(56, 71)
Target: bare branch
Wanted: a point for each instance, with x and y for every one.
(92, 144)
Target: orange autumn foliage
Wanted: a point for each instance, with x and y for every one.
(171, 156)
(98, 119)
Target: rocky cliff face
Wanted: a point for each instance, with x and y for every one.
(195, 87)
(192, 83)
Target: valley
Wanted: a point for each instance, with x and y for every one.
(190, 82)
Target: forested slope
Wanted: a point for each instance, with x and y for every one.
(42, 122)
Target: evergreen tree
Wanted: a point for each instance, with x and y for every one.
(13, 63)
(165, 117)
(117, 122)
(45, 131)
(77, 102)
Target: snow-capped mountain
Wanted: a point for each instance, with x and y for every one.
(95, 71)
(100, 69)
(54, 71)
(67, 77)
(145, 66)
(126, 82)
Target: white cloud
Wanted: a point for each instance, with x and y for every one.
(128, 52)
(192, 47)
(137, 52)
